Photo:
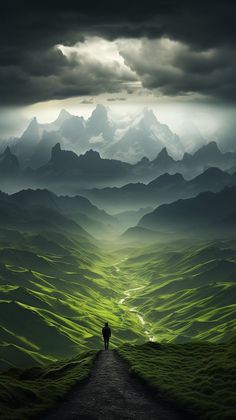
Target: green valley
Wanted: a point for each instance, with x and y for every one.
(189, 291)
(170, 304)
(57, 290)
(55, 293)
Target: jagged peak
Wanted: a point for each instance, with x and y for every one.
(144, 160)
(148, 111)
(33, 122)
(63, 116)
(163, 152)
(212, 172)
(100, 107)
(148, 115)
(32, 130)
(212, 146)
(92, 154)
(56, 149)
(7, 151)
(187, 156)
(100, 111)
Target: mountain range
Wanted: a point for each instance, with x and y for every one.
(206, 214)
(164, 189)
(125, 139)
(66, 172)
(32, 209)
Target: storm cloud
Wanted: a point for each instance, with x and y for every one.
(173, 68)
(33, 68)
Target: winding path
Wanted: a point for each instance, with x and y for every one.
(111, 393)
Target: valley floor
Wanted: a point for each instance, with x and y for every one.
(57, 291)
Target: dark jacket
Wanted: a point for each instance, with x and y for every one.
(106, 332)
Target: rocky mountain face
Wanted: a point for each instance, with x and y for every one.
(141, 136)
(74, 172)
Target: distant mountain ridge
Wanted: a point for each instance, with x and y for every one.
(207, 213)
(32, 207)
(129, 141)
(164, 189)
(67, 172)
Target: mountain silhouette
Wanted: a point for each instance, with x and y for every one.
(69, 172)
(62, 117)
(9, 164)
(127, 140)
(202, 213)
(76, 208)
(65, 166)
(164, 189)
(144, 136)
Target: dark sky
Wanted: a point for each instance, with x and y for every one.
(173, 47)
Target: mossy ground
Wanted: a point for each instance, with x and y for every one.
(26, 393)
(198, 377)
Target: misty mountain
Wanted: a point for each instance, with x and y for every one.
(66, 166)
(78, 209)
(203, 213)
(130, 218)
(141, 140)
(29, 141)
(143, 135)
(99, 123)
(9, 164)
(207, 156)
(164, 189)
(146, 236)
(189, 166)
(35, 218)
(66, 172)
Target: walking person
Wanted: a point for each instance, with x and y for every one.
(106, 333)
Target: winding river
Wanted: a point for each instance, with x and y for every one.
(128, 294)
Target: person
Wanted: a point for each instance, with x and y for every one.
(106, 332)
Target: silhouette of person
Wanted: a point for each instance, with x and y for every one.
(106, 332)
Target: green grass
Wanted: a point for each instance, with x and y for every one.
(198, 377)
(189, 290)
(54, 299)
(26, 393)
(57, 289)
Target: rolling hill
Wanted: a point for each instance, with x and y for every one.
(189, 290)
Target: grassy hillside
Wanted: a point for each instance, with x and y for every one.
(197, 377)
(56, 291)
(25, 393)
(189, 290)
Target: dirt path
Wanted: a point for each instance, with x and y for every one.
(111, 393)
